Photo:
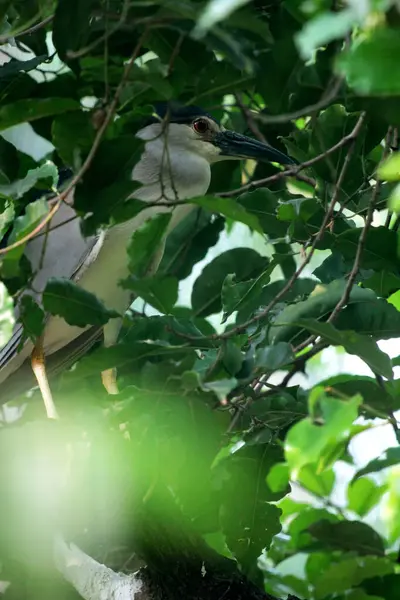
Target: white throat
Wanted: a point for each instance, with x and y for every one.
(170, 168)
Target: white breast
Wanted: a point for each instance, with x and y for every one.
(171, 167)
(167, 174)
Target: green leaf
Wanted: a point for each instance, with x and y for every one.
(372, 393)
(317, 563)
(300, 289)
(363, 495)
(7, 214)
(349, 536)
(249, 522)
(75, 305)
(122, 355)
(159, 291)
(206, 293)
(380, 250)
(316, 482)
(271, 358)
(354, 343)
(319, 304)
(188, 243)
(247, 20)
(18, 188)
(383, 283)
(300, 537)
(390, 458)
(299, 208)
(360, 594)
(23, 111)
(349, 572)
(394, 300)
(107, 188)
(16, 66)
(71, 25)
(220, 387)
(230, 209)
(186, 326)
(71, 133)
(214, 12)
(388, 583)
(145, 243)
(237, 295)
(232, 357)
(325, 28)
(263, 204)
(389, 170)
(6, 315)
(392, 504)
(34, 213)
(277, 410)
(378, 318)
(306, 440)
(113, 203)
(370, 65)
(32, 317)
(394, 200)
(278, 477)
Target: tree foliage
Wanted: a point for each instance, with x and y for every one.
(212, 411)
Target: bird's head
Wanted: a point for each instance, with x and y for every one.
(192, 129)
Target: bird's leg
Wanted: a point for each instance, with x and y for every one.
(39, 369)
(109, 379)
(109, 376)
(111, 330)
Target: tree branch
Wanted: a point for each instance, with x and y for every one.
(88, 161)
(318, 237)
(362, 240)
(249, 118)
(293, 171)
(103, 38)
(91, 579)
(6, 38)
(303, 112)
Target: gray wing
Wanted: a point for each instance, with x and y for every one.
(59, 253)
(22, 380)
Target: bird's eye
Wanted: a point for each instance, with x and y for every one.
(200, 126)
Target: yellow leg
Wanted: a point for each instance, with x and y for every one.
(39, 369)
(109, 379)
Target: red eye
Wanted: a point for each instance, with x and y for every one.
(200, 126)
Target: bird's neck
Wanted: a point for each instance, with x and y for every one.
(168, 172)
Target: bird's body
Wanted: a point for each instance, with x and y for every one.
(173, 167)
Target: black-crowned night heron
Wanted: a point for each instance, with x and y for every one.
(180, 145)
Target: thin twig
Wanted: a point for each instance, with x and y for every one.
(362, 239)
(297, 367)
(352, 136)
(175, 54)
(239, 411)
(293, 171)
(359, 252)
(249, 118)
(5, 38)
(303, 112)
(88, 161)
(317, 239)
(35, 231)
(104, 37)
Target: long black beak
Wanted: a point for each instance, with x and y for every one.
(240, 146)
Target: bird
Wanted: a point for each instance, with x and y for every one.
(180, 145)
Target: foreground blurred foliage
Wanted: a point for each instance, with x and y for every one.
(208, 412)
